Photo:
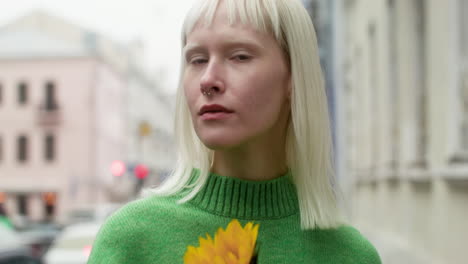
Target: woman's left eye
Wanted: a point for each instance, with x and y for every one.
(241, 57)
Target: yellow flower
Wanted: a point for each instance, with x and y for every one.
(235, 245)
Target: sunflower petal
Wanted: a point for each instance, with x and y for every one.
(235, 245)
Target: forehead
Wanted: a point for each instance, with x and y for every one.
(243, 14)
(221, 28)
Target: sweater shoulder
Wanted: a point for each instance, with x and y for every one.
(349, 244)
(128, 227)
(141, 213)
(151, 209)
(151, 206)
(359, 245)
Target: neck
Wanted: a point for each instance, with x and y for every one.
(260, 158)
(254, 161)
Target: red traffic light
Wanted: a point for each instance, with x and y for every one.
(141, 171)
(118, 168)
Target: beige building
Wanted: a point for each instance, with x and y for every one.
(71, 103)
(406, 113)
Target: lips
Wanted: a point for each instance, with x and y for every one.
(214, 108)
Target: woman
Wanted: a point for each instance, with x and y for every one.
(254, 140)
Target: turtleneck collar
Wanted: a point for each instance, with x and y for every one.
(244, 199)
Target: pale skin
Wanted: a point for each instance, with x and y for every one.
(246, 72)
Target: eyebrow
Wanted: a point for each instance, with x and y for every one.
(191, 47)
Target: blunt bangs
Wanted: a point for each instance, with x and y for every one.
(261, 15)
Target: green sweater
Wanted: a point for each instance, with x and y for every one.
(158, 230)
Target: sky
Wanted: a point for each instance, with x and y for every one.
(156, 23)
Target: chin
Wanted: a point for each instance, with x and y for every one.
(222, 138)
(219, 142)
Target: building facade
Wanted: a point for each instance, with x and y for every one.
(327, 17)
(405, 97)
(68, 109)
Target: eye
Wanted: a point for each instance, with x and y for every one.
(198, 61)
(241, 57)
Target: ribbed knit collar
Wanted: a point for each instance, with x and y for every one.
(243, 199)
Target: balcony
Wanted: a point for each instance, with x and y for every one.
(49, 114)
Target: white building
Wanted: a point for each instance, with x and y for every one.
(327, 16)
(71, 102)
(406, 116)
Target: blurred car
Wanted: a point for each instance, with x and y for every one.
(39, 236)
(73, 245)
(13, 250)
(5, 221)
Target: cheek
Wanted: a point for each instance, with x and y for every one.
(266, 97)
(264, 103)
(267, 91)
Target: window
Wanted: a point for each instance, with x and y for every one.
(1, 93)
(22, 93)
(22, 201)
(374, 94)
(49, 199)
(393, 85)
(421, 96)
(461, 151)
(50, 102)
(22, 148)
(463, 78)
(463, 24)
(49, 147)
(1, 148)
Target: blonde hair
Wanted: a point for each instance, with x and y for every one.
(308, 142)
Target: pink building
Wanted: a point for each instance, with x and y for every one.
(63, 118)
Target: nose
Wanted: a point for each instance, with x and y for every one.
(212, 78)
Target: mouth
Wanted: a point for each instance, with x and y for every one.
(214, 109)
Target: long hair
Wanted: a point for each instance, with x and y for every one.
(308, 143)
